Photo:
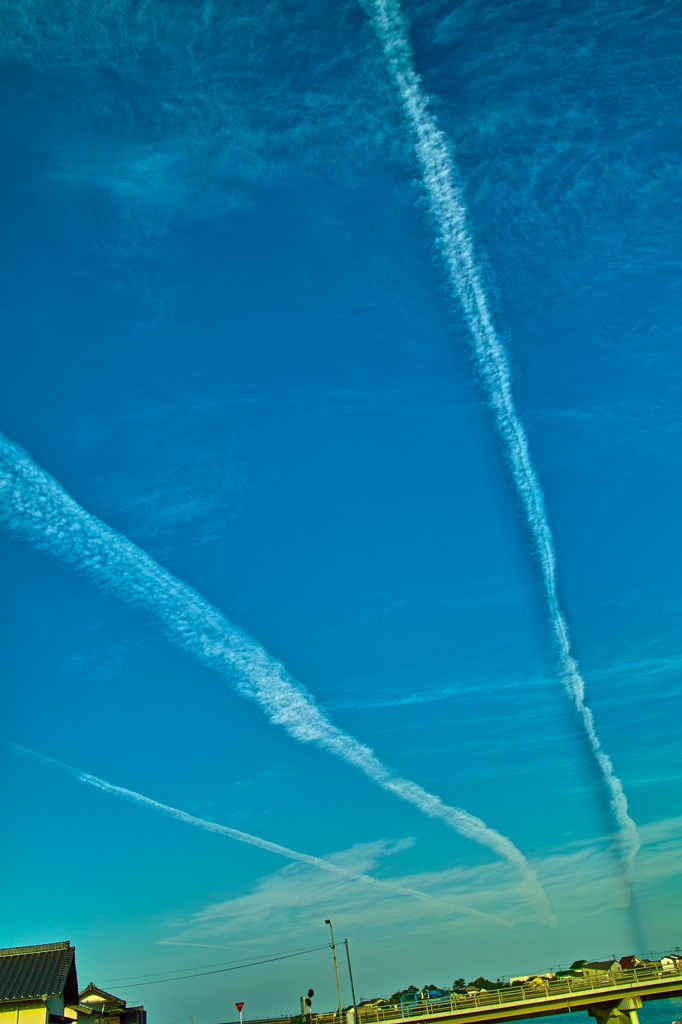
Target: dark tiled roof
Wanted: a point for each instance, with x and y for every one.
(34, 972)
(109, 999)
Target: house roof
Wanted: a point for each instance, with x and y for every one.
(107, 997)
(38, 972)
(628, 962)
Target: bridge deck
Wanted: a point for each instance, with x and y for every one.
(521, 1002)
(526, 1001)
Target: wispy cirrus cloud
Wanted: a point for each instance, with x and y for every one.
(294, 896)
(200, 105)
(579, 876)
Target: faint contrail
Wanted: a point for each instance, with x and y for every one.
(241, 837)
(448, 208)
(223, 830)
(36, 509)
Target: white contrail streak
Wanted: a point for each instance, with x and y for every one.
(36, 509)
(241, 837)
(448, 209)
(223, 830)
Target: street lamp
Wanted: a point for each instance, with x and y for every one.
(336, 969)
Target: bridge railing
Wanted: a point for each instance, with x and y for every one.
(516, 994)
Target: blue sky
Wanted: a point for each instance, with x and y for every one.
(231, 336)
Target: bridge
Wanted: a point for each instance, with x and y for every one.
(611, 998)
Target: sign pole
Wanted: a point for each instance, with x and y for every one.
(240, 1007)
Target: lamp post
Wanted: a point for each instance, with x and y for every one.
(352, 986)
(336, 969)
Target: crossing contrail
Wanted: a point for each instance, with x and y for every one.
(36, 509)
(448, 209)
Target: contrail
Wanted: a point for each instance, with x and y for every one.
(448, 209)
(241, 837)
(223, 830)
(36, 509)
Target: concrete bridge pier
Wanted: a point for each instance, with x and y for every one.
(622, 1012)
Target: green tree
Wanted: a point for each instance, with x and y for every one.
(487, 984)
(395, 998)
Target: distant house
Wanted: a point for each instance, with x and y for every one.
(532, 979)
(601, 967)
(631, 962)
(670, 962)
(104, 1008)
(38, 984)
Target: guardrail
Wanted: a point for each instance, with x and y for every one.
(616, 981)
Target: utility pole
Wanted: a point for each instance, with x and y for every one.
(352, 986)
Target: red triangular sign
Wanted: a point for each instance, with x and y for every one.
(240, 1006)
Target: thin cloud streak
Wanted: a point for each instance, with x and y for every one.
(448, 209)
(579, 876)
(36, 509)
(210, 826)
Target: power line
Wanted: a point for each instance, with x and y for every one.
(202, 967)
(222, 970)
